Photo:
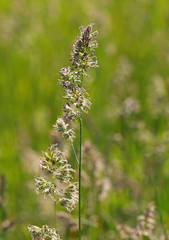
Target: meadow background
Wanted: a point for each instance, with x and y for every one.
(127, 123)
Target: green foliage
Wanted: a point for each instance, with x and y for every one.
(128, 122)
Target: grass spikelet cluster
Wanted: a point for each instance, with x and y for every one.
(53, 162)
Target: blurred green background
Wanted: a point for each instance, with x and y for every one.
(127, 123)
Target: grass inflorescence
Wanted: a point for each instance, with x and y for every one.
(53, 162)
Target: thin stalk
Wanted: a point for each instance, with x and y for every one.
(80, 157)
(80, 160)
(55, 213)
(74, 152)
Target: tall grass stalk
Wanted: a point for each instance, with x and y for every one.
(55, 209)
(80, 170)
(53, 161)
(80, 166)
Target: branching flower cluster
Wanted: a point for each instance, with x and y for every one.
(44, 233)
(54, 162)
(56, 165)
(82, 58)
(57, 181)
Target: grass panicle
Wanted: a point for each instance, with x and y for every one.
(53, 162)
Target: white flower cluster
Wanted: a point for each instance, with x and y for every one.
(44, 233)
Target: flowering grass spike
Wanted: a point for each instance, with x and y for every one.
(57, 183)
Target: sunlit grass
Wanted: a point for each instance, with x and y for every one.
(129, 118)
